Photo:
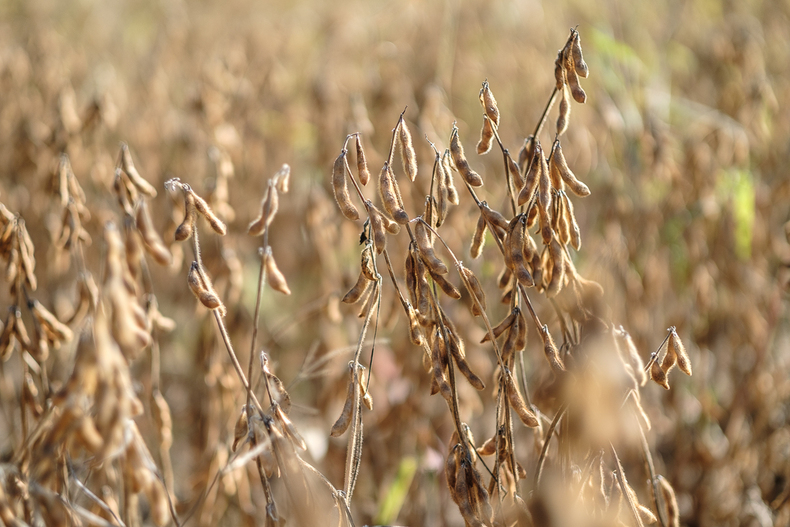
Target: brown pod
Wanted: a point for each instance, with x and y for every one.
(390, 195)
(516, 252)
(564, 116)
(478, 240)
(184, 230)
(367, 265)
(153, 243)
(517, 402)
(202, 289)
(216, 224)
(471, 177)
(282, 178)
(504, 278)
(559, 71)
(452, 192)
(134, 176)
(370, 296)
(525, 153)
(533, 176)
(550, 350)
(501, 327)
(362, 162)
(544, 187)
(442, 195)
(489, 104)
(340, 187)
(670, 502)
(342, 423)
(488, 448)
(486, 137)
(521, 336)
(410, 272)
(448, 288)
(456, 350)
(509, 346)
(426, 249)
(578, 58)
(515, 173)
(684, 363)
(423, 289)
(473, 285)
(439, 363)
(450, 469)
(493, 217)
(557, 257)
(576, 186)
(415, 333)
(658, 375)
(60, 330)
(576, 238)
(269, 207)
(573, 79)
(554, 171)
(276, 277)
(670, 357)
(356, 292)
(563, 226)
(377, 220)
(408, 156)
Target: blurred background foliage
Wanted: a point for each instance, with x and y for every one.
(684, 142)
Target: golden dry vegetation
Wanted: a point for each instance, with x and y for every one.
(124, 364)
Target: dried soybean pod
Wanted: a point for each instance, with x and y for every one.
(153, 243)
(515, 173)
(368, 268)
(340, 186)
(680, 350)
(184, 230)
(509, 346)
(415, 333)
(471, 177)
(472, 284)
(282, 178)
(533, 176)
(493, 217)
(450, 469)
(521, 336)
(525, 153)
(489, 104)
(362, 162)
(60, 330)
(550, 350)
(202, 289)
(378, 229)
(216, 224)
(573, 79)
(670, 357)
(557, 256)
(370, 296)
(544, 186)
(517, 402)
(456, 350)
(658, 375)
(576, 186)
(342, 423)
(486, 137)
(563, 223)
(578, 58)
(388, 189)
(478, 240)
(464, 499)
(276, 277)
(356, 292)
(439, 363)
(134, 176)
(564, 116)
(516, 253)
(576, 238)
(408, 156)
(559, 71)
(554, 171)
(452, 192)
(488, 447)
(448, 288)
(670, 501)
(426, 249)
(501, 327)
(269, 206)
(410, 272)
